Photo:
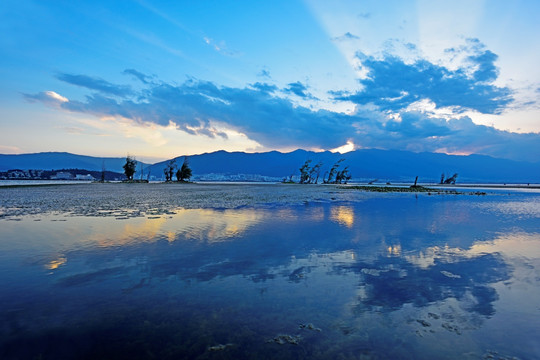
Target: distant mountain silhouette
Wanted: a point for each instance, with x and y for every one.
(365, 164)
(60, 160)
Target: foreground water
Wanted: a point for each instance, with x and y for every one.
(341, 275)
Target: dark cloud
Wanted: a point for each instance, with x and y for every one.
(194, 105)
(145, 79)
(264, 73)
(276, 122)
(263, 87)
(346, 36)
(486, 70)
(479, 58)
(96, 84)
(298, 89)
(415, 126)
(393, 85)
(415, 131)
(364, 15)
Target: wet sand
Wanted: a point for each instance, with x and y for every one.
(131, 200)
(149, 199)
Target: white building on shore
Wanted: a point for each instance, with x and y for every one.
(62, 175)
(84, 177)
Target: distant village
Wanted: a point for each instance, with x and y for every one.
(88, 175)
(64, 174)
(309, 174)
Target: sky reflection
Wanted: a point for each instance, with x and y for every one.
(403, 267)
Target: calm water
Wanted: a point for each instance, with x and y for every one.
(395, 277)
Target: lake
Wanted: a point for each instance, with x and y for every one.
(156, 271)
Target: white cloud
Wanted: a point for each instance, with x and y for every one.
(50, 98)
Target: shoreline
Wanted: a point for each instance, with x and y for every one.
(490, 186)
(111, 199)
(36, 183)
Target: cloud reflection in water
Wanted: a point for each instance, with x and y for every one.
(403, 262)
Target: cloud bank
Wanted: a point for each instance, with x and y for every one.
(396, 108)
(97, 84)
(393, 84)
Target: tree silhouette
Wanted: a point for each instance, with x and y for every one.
(452, 179)
(333, 172)
(184, 173)
(129, 167)
(342, 176)
(314, 173)
(169, 170)
(310, 175)
(304, 172)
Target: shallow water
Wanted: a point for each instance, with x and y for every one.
(362, 276)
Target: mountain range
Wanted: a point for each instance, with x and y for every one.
(364, 165)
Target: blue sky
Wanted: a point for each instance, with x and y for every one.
(163, 79)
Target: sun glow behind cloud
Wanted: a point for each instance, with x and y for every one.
(349, 146)
(56, 96)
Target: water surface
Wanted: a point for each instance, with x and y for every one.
(382, 277)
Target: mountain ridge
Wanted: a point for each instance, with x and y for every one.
(364, 165)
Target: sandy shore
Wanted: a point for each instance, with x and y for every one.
(140, 199)
(120, 199)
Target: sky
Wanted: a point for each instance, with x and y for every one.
(160, 79)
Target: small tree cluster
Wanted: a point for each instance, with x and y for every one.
(184, 173)
(304, 172)
(450, 180)
(169, 170)
(336, 176)
(310, 175)
(343, 176)
(129, 167)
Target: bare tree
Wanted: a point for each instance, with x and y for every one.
(169, 170)
(343, 176)
(452, 179)
(304, 172)
(314, 173)
(333, 172)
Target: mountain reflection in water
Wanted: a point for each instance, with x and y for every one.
(395, 277)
